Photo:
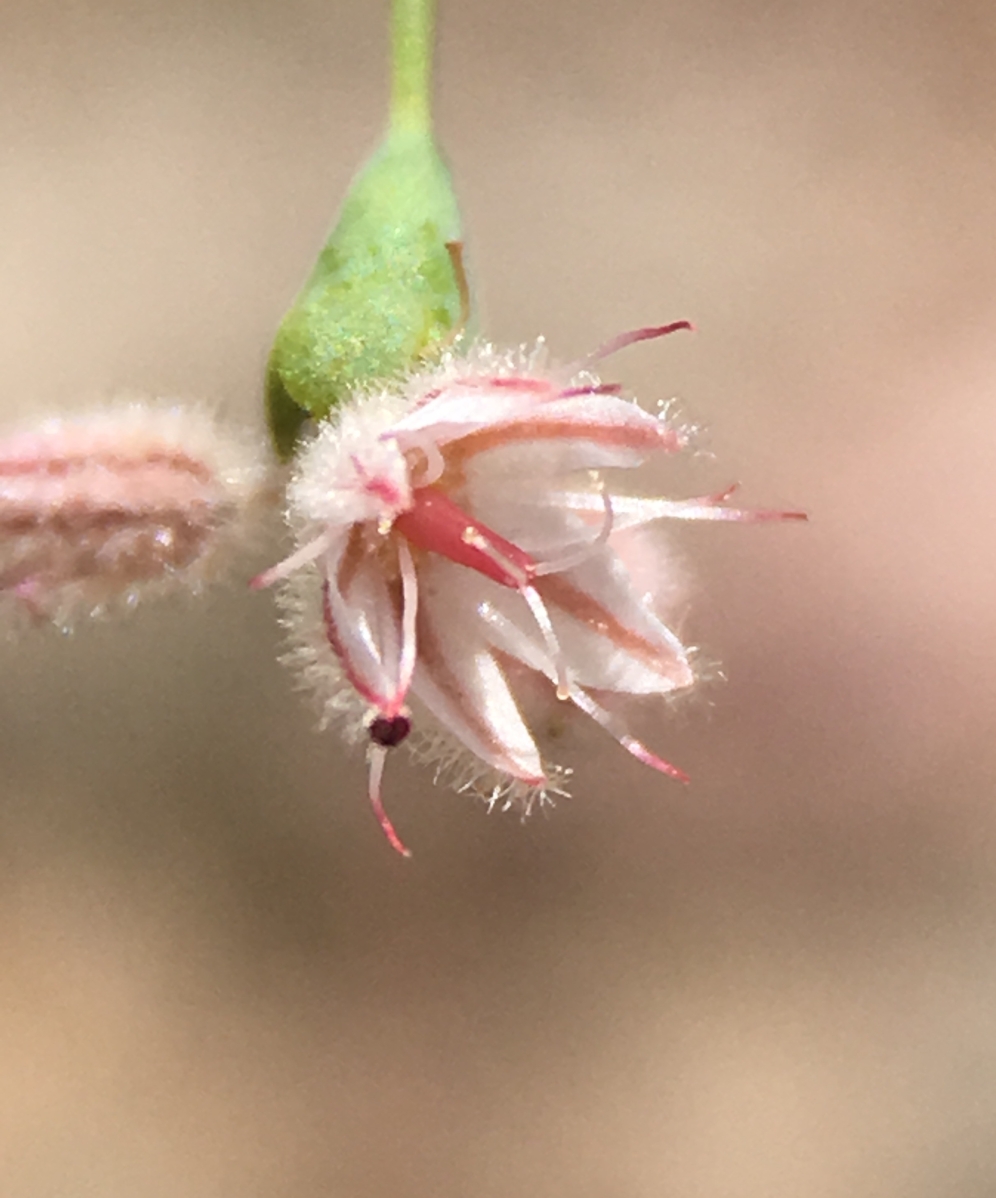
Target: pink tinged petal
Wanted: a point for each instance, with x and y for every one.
(592, 646)
(367, 621)
(634, 511)
(437, 524)
(604, 632)
(612, 639)
(459, 680)
(518, 644)
(582, 432)
(464, 407)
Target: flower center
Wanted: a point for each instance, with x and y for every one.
(437, 524)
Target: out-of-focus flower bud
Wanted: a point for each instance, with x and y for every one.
(108, 506)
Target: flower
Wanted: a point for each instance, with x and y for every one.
(110, 505)
(455, 532)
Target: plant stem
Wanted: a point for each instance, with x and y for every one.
(412, 24)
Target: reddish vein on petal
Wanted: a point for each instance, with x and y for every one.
(647, 436)
(357, 681)
(464, 708)
(587, 610)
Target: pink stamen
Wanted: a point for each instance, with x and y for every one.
(639, 750)
(592, 389)
(709, 507)
(582, 554)
(307, 553)
(378, 757)
(636, 335)
(542, 618)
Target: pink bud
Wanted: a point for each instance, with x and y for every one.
(118, 503)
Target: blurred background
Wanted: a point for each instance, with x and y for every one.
(216, 979)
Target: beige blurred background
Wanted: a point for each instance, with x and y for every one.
(216, 980)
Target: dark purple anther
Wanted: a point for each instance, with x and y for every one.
(388, 731)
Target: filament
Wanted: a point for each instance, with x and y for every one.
(409, 614)
(307, 553)
(378, 757)
(583, 552)
(639, 750)
(542, 618)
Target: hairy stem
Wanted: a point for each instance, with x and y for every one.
(412, 25)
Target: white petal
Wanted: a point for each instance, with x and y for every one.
(609, 639)
(462, 409)
(363, 620)
(602, 586)
(458, 678)
(525, 517)
(578, 433)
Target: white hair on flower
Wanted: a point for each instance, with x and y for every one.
(455, 529)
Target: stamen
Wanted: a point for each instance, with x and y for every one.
(542, 618)
(434, 462)
(639, 750)
(591, 389)
(570, 560)
(636, 335)
(307, 553)
(632, 511)
(409, 613)
(378, 757)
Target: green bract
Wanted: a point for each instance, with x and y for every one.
(388, 288)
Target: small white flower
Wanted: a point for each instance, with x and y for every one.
(454, 532)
